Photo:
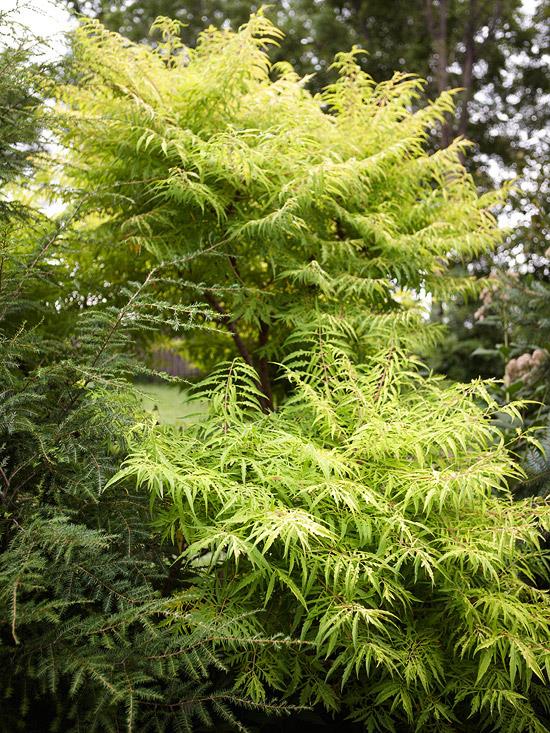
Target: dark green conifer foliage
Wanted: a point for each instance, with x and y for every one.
(519, 308)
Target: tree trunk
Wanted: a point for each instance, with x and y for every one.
(437, 30)
(468, 67)
(261, 364)
(263, 369)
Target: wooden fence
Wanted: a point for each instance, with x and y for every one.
(166, 360)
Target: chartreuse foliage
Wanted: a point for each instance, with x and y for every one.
(368, 517)
(332, 197)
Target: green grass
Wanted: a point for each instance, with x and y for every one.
(169, 403)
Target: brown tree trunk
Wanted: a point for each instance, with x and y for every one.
(468, 67)
(264, 383)
(226, 319)
(437, 30)
(263, 368)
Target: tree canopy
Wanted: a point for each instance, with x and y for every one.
(294, 201)
(490, 49)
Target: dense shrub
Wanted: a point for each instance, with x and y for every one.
(355, 548)
(83, 580)
(369, 518)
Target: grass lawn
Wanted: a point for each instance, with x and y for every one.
(169, 403)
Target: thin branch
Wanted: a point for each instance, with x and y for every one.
(470, 47)
(59, 229)
(5, 479)
(226, 319)
(383, 377)
(235, 268)
(14, 612)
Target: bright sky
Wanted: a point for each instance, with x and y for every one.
(44, 18)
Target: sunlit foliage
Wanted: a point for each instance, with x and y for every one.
(294, 200)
